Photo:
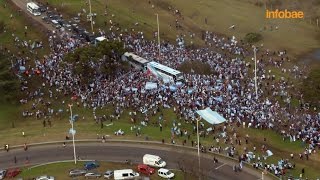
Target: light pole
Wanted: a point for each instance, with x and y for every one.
(198, 144)
(255, 70)
(158, 34)
(73, 133)
(91, 16)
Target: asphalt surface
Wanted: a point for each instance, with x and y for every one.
(118, 152)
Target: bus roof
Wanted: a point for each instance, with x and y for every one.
(164, 68)
(32, 5)
(136, 57)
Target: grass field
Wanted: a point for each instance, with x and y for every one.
(297, 36)
(61, 170)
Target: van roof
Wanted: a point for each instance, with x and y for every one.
(163, 170)
(123, 170)
(151, 156)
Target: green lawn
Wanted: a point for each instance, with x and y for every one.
(297, 36)
(61, 170)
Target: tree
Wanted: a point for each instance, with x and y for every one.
(9, 83)
(2, 27)
(104, 58)
(253, 37)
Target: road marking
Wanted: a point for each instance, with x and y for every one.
(220, 166)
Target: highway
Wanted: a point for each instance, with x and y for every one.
(119, 152)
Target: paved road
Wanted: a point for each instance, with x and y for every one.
(22, 4)
(121, 152)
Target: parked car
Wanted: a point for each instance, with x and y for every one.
(145, 169)
(42, 8)
(45, 177)
(11, 173)
(2, 173)
(108, 174)
(165, 173)
(92, 175)
(76, 19)
(77, 172)
(91, 165)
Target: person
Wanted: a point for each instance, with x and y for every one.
(64, 144)
(25, 147)
(6, 147)
(15, 160)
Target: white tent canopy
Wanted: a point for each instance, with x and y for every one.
(212, 117)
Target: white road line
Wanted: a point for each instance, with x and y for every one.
(220, 166)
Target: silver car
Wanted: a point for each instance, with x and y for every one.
(92, 175)
(45, 177)
(108, 174)
(77, 172)
(2, 173)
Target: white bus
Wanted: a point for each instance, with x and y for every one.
(166, 72)
(33, 8)
(135, 60)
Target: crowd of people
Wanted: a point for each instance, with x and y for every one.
(229, 90)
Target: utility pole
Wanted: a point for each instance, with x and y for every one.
(158, 34)
(73, 133)
(255, 70)
(91, 16)
(198, 144)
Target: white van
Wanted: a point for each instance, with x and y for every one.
(125, 174)
(153, 160)
(165, 173)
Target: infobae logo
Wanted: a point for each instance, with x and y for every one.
(280, 14)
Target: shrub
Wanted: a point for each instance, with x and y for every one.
(253, 37)
(2, 26)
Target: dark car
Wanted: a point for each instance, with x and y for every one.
(42, 8)
(91, 165)
(77, 172)
(11, 173)
(50, 14)
(145, 169)
(46, 19)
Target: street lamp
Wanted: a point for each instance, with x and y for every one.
(73, 132)
(158, 34)
(91, 16)
(255, 70)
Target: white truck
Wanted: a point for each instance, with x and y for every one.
(153, 160)
(125, 174)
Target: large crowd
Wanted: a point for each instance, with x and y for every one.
(230, 90)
